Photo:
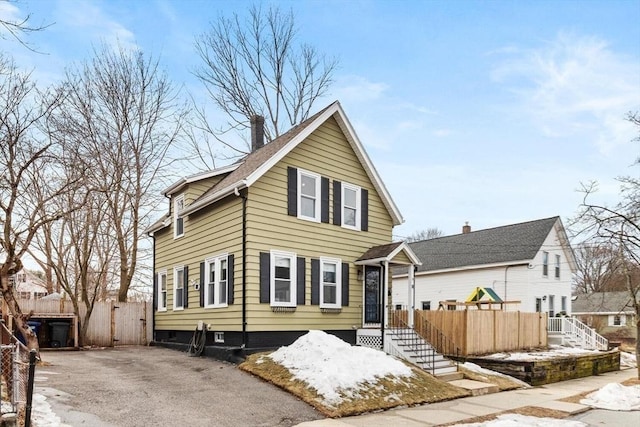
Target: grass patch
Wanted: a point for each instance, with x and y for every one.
(384, 394)
(500, 381)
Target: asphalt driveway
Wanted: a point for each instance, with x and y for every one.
(152, 386)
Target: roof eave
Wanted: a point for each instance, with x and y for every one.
(474, 267)
(179, 184)
(200, 204)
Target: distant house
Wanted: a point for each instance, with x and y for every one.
(29, 285)
(531, 262)
(611, 314)
(293, 237)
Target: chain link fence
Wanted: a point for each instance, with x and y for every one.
(14, 375)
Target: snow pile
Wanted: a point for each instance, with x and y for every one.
(615, 397)
(480, 370)
(515, 420)
(41, 413)
(628, 360)
(333, 367)
(553, 352)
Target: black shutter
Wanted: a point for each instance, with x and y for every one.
(230, 270)
(300, 277)
(324, 197)
(315, 281)
(364, 204)
(202, 284)
(345, 284)
(156, 291)
(185, 288)
(337, 203)
(265, 271)
(292, 191)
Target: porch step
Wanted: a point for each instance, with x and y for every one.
(450, 376)
(476, 388)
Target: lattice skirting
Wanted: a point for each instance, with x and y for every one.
(371, 341)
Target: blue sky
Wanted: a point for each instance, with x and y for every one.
(491, 112)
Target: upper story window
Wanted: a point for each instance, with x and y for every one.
(162, 290)
(351, 206)
(330, 288)
(426, 305)
(178, 220)
(283, 279)
(217, 273)
(308, 195)
(179, 284)
(545, 263)
(557, 268)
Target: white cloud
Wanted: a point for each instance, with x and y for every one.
(89, 17)
(575, 85)
(9, 12)
(441, 133)
(352, 88)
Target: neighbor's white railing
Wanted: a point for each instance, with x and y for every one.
(573, 330)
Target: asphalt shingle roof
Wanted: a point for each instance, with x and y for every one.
(602, 302)
(516, 242)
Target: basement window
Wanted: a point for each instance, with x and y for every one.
(218, 337)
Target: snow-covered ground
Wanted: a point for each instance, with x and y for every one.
(553, 352)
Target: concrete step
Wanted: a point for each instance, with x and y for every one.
(438, 372)
(476, 388)
(450, 376)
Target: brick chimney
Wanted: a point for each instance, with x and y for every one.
(257, 132)
(466, 228)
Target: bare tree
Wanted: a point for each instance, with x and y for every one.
(429, 233)
(30, 164)
(619, 227)
(255, 66)
(17, 28)
(596, 267)
(121, 115)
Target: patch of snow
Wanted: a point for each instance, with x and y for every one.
(480, 370)
(615, 397)
(515, 420)
(628, 360)
(41, 413)
(334, 368)
(552, 353)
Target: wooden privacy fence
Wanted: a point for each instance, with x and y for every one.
(477, 332)
(111, 323)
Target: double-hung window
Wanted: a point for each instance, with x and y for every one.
(557, 269)
(217, 269)
(330, 288)
(545, 264)
(162, 290)
(308, 195)
(283, 279)
(178, 288)
(351, 206)
(178, 220)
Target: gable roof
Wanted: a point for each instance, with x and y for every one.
(257, 163)
(602, 302)
(387, 253)
(508, 244)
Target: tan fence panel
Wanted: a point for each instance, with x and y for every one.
(129, 323)
(99, 328)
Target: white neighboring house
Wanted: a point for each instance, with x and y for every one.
(27, 285)
(531, 262)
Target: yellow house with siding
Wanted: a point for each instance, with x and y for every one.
(295, 236)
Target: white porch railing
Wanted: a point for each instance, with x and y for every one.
(577, 333)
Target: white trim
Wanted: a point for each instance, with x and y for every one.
(318, 196)
(175, 286)
(358, 206)
(230, 189)
(338, 263)
(178, 215)
(292, 278)
(401, 247)
(216, 261)
(179, 184)
(468, 267)
(159, 274)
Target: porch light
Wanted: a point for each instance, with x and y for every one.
(359, 275)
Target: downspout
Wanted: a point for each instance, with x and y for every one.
(505, 281)
(155, 289)
(244, 266)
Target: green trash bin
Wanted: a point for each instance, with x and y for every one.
(59, 334)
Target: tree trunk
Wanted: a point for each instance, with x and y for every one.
(19, 318)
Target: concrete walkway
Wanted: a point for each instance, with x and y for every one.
(459, 410)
